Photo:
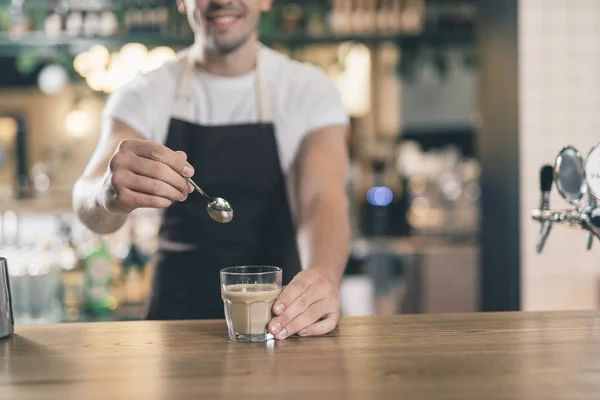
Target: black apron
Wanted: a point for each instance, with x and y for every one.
(241, 164)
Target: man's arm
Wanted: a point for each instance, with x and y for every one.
(323, 220)
(88, 186)
(309, 305)
(127, 172)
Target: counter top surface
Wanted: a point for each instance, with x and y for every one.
(553, 355)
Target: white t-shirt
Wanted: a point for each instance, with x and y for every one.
(303, 99)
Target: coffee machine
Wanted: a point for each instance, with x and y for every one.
(7, 323)
(575, 179)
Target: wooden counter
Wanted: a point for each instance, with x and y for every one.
(476, 356)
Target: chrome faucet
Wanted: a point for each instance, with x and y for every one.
(573, 177)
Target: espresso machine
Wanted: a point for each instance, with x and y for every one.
(7, 323)
(575, 179)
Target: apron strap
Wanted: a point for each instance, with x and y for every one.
(184, 90)
(264, 96)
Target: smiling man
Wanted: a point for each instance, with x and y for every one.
(263, 131)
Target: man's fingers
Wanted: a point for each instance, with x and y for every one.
(157, 170)
(182, 154)
(311, 315)
(322, 327)
(131, 200)
(289, 294)
(307, 299)
(190, 188)
(297, 307)
(157, 152)
(143, 184)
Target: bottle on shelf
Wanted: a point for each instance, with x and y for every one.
(357, 14)
(382, 16)
(71, 275)
(22, 19)
(316, 19)
(364, 16)
(53, 24)
(99, 302)
(412, 17)
(92, 24)
(5, 17)
(175, 21)
(74, 23)
(394, 22)
(369, 16)
(147, 23)
(292, 18)
(134, 16)
(109, 23)
(160, 17)
(341, 17)
(132, 281)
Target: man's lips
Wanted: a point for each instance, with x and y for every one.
(222, 21)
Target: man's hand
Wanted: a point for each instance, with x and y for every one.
(309, 306)
(143, 173)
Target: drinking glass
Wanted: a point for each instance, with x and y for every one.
(248, 294)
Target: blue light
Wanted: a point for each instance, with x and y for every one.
(380, 196)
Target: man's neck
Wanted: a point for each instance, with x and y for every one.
(239, 62)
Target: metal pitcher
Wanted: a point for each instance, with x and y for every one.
(7, 322)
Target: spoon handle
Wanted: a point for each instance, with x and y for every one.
(191, 182)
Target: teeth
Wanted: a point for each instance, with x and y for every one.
(224, 20)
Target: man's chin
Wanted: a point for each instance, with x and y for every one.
(226, 46)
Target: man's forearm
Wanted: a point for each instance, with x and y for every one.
(324, 235)
(90, 212)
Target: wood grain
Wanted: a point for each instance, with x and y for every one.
(471, 356)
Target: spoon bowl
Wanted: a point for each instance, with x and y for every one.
(220, 210)
(217, 208)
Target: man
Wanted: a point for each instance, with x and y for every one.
(252, 126)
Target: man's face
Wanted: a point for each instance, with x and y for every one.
(226, 24)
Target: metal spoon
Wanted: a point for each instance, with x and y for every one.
(218, 209)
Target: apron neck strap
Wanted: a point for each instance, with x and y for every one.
(264, 96)
(184, 90)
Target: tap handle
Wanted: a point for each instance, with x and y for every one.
(546, 178)
(544, 232)
(590, 241)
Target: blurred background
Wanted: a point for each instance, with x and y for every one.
(455, 106)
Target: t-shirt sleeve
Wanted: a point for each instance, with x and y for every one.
(129, 105)
(322, 102)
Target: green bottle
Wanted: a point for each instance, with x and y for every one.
(100, 304)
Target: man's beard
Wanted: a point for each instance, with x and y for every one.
(227, 48)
